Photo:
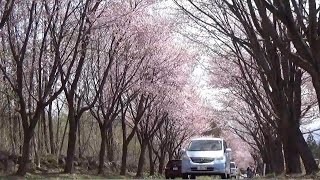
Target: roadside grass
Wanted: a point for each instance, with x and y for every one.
(57, 174)
(72, 176)
(60, 175)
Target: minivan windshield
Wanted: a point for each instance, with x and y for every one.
(205, 145)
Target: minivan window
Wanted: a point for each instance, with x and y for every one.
(205, 145)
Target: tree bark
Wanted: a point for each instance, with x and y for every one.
(126, 140)
(277, 157)
(151, 163)
(161, 161)
(63, 136)
(51, 136)
(292, 157)
(316, 85)
(22, 170)
(123, 168)
(309, 162)
(110, 144)
(79, 140)
(102, 148)
(73, 125)
(45, 134)
(141, 159)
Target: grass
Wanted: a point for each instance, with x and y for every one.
(59, 175)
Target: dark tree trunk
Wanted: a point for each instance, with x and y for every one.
(22, 170)
(63, 136)
(316, 85)
(102, 148)
(309, 162)
(267, 161)
(171, 154)
(151, 163)
(45, 134)
(51, 136)
(110, 145)
(141, 159)
(71, 142)
(277, 157)
(125, 143)
(124, 158)
(161, 162)
(79, 140)
(291, 154)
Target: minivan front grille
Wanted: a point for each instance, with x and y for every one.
(201, 159)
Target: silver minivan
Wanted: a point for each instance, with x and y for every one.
(206, 156)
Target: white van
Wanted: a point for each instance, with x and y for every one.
(206, 156)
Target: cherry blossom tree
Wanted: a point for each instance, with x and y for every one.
(262, 66)
(33, 79)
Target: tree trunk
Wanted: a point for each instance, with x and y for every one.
(109, 143)
(63, 136)
(305, 152)
(291, 154)
(71, 142)
(45, 134)
(51, 136)
(124, 158)
(267, 161)
(57, 142)
(79, 140)
(171, 154)
(141, 159)
(35, 150)
(161, 162)
(277, 157)
(102, 148)
(151, 163)
(316, 85)
(22, 170)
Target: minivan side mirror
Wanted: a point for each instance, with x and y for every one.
(182, 150)
(228, 150)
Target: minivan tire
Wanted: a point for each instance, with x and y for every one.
(185, 176)
(224, 176)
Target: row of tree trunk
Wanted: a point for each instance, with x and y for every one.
(273, 45)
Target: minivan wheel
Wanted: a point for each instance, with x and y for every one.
(185, 176)
(224, 176)
(192, 177)
(228, 176)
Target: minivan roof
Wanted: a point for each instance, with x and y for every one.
(206, 138)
